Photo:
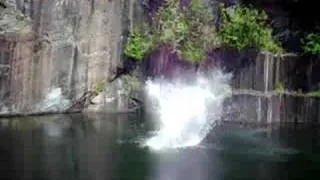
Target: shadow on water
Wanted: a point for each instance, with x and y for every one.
(94, 147)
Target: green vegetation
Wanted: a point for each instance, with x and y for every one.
(314, 94)
(190, 33)
(311, 44)
(190, 52)
(187, 31)
(246, 27)
(139, 42)
(172, 25)
(279, 87)
(202, 36)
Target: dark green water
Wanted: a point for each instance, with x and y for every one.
(109, 147)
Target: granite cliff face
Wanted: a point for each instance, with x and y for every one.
(53, 51)
(56, 50)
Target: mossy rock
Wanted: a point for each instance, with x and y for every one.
(14, 22)
(131, 84)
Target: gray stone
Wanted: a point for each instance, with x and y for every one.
(118, 96)
(262, 108)
(67, 44)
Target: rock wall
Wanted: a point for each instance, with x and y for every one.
(59, 46)
(273, 89)
(263, 71)
(51, 52)
(267, 88)
(271, 108)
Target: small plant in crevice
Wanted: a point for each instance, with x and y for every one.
(279, 87)
(245, 27)
(311, 43)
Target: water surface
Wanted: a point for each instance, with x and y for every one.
(94, 147)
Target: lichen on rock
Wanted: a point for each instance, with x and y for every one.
(13, 22)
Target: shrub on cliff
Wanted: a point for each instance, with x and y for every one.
(139, 42)
(311, 44)
(187, 31)
(246, 27)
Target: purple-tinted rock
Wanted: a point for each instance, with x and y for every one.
(228, 3)
(152, 6)
(228, 59)
(166, 63)
(185, 3)
(220, 58)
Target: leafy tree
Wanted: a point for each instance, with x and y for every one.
(245, 27)
(311, 44)
(189, 31)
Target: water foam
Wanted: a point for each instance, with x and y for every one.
(186, 111)
(54, 101)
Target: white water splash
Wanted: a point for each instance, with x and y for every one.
(54, 101)
(186, 111)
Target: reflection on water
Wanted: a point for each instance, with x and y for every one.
(60, 147)
(109, 147)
